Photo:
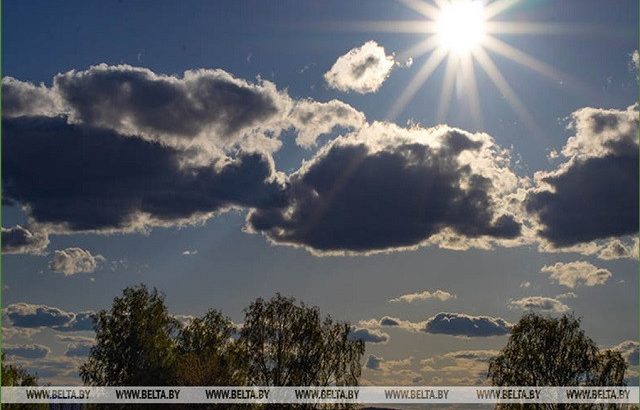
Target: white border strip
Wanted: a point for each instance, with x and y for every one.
(322, 395)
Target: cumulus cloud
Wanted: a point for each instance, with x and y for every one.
(368, 335)
(616, 249)
(362, 69)
(385, 188)
(146, 185)
(540, 303)
(20, 98)
(453, 324)
(75, 260)
(206, 139)
(459, 324)
(27, 315)
(373, 362)
(594, 194)
(440, 295)
(525, 284)
(630, 351)
(312, 119)
(577, 273)
(19, 239)
(27, 351)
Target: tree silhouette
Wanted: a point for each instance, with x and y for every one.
(134, 342)
(15, 375)
(546, 351)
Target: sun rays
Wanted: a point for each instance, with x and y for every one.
(462, 34)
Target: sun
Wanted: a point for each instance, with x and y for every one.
(460, 26)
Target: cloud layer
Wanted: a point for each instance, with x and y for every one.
(362, 69)
(386, 187)
(27, 315)
(440, 295)
(594, 194)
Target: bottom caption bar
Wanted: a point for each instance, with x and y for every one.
(321, 395)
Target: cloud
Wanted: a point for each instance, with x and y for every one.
(362, 69)
(616, 249)
(190, 252)
(594, 194)
(27, 351)
(635, 63)
(388, 188)
(440, 295)
(459, 324)
(578, 273)
(453, 324)
(78, 349)
(312, 119)
(75, 260)
(20, 98)
(97, 181)
(629, 350)
(18, 239)
(525, 284)
(368, 335)
(206, 138)
(373, 362)
(12, 332)
(540, 303)
(27, 315)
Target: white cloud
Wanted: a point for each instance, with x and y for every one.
(363, 69)
(440, 295)
(75, 260)
(525, 284)
(577, 273)
(540, 303)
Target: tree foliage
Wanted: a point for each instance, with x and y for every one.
(281, 343)
(546, 351)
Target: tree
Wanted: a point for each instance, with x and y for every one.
(546, 351)
(207, 354)
(16, 375)
(134, 342)
(286, 344)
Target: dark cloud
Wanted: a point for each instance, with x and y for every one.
(18, 239)
(28, 315)
(390, 321)
(373, 362)
(594, 195)
(368, 335)
(136, 99)
(89, 179)
(459, 324)
(27, 351)
(388, 188)
(630, 350)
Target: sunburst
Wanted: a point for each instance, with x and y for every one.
(462, 34)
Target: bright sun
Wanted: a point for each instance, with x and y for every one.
(460, 26)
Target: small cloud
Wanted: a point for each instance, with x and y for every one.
(539, 303)
(19, 239)
(577, 273)
(75, 260)
(373, 362)
(190, 252)
(363, 69)
(368, 335)
(525, 284)
(440, 295)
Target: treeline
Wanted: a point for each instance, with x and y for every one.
(280, 343)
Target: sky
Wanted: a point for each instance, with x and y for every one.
(224, 151)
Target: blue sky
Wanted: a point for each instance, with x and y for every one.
(292, 44)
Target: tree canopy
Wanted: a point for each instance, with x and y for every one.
(281, 342)
(547, 351)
